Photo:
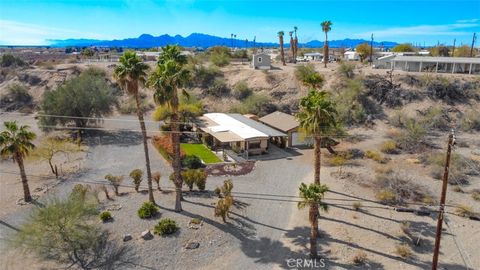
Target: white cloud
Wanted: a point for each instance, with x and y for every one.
(468, 21)
(457, 29)
(18, 33)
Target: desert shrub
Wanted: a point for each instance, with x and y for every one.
(257, 104)
(115, 181)
(196, 221)
(395, 188)
(476, 194)
(389, 147)
(436, 118)
(384, 91)
(460, 167)
(412, 137)
(192, 162)
(403, 251)
(217, 191)
(241, 90)
(10, 60)
(129, 105)
(188, 177)
(156, 178)
(84, 96)
(17, 97)
(336, 160)
(374, 155)
(136, 176)
(195, 176)
(105, 216)
(218, 88)
(308, 76)
(470, 121)
(63, 230)
(165, 226)
(219, 56)
(204, 76)
(201, 179)
(464, 210)
(449, 91)
(346, 69)
(411, 80)
(360, 258)
(147, 210)
(222, 207)
(30, 79)
(357, 206)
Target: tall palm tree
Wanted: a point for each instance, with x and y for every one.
(16, 142)
(317, 118)
(292, 45)
(280, 39)
(131, 73)
(326, 27)
(295, 48)
(167, 78)
(312, 196)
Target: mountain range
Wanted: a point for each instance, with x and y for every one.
(201, 40)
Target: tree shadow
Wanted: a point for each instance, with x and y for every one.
(119, 138)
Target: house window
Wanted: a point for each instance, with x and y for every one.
(259, 59)
(254, 145)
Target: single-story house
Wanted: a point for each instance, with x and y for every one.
(261, 61)
(315, 56)
(351, 56)
(465, 65)
(285, 123)
(236, 132)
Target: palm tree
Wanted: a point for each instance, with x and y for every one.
(170, 75)
(130, 73)
(326, 27)
(312, 196)
(295, 48)
(280, 39)
(317, 118)
(16, 142)
(292, 44)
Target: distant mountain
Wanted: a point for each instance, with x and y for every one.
(199, 40)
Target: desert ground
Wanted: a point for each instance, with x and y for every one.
(265, 229)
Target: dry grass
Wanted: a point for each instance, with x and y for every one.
(464, 210)
(403, 251)
(360, 258)
(386, 196)
(389, 147)
(376, 156)
(476, 194)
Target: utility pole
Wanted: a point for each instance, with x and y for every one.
(371, 51)
(453, 50)
(451, 141)
(473, 43)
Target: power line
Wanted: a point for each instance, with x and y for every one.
(460, 249)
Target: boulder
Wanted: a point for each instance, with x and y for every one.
(127, 237)
(192, 245)
(147, 235)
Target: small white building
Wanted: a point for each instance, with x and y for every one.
(351, 56)
(315, 56)
(261, 61)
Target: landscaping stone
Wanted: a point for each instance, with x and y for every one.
(147, 235)
(127, 237)
(192, 245)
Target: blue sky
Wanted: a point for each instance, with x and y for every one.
(32, 22)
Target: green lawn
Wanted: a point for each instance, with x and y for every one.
(200, 151)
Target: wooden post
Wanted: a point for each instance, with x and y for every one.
(451, 140)
(436, 68)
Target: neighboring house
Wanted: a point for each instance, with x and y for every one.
(465, 65)
(236, 132)
(315, 56)
(261, 61)
(285, 123)
(351, 56)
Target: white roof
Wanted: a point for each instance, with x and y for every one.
(350, 52)
(462, 60)
(227, 123)
(313, 54)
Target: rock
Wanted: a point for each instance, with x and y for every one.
(413, 160)
(192, 245)
(147, 235)
(127, 237)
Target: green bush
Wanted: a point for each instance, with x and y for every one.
(241, 91)
(192, 162)
(219, 56)
(147, 210)
(346, 69)
(218, 88)
(204, 76)
(257, 104)
(136, 176)
(201, 179)
(105, 216)
(8, 60)
(165, 226)
(195, 221)
(195, 176)
(307, 75)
